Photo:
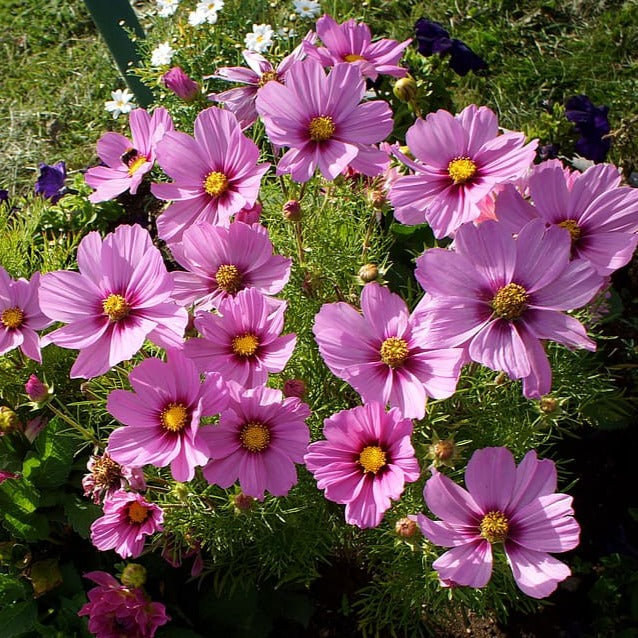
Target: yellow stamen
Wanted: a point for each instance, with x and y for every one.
(116, 307)
(12, 318)
(268, 76)
(372, 458)
(352, 57)
(137, 512)
(228, 278)
(394, 351)
(174, 417)
(572, 226)
(494, 527)
(461, 169)
(245, 345)
(255, 437)
(136, 164)
(215, 183)
(321, 128)
(510, 301)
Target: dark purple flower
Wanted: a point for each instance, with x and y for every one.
(433, 38)
(4, 195)
(592, 124)
(50, 183)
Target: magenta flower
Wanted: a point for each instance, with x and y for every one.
(241, 100)
(181, 84)
(127, 161)
(243, 343)
(37, 391)
(20, 315)
(319, 117)
(116, 610)
(106, 476)
(515, 506)
(461, 159)
(128, 518)
(352, 42)
(501, 296)
(365, 461)
(216, 174)
(384, 354)
(6, 475)
(259, 439)
(162, 415)
(600, 215)
(120, 297)
(222, 261)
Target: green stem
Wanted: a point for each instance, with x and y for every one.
(85, 432)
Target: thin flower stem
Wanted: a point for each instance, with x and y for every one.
(85, 432)
(302, 191)
(299, 240)
(366, 240)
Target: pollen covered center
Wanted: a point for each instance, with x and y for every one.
(137, 512)
(394, 351)
(572, 226)
(510, 301)
(106, 472)
(116, 307)
(216, 183)
(12, 317)
(245, 345)
(174, 417)
(228, 278)
(372, 458)
(255, 437)
(461, 169)
(268, 76)
(494, 527)
(321, 128)
(352, 57)
(135, 163)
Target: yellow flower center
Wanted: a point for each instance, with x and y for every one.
(215, 183)
(12, 318)
(115, 307)
(494, 527)
(228, 278)
(510, 301)
(321, 128)
(136, 163)
(174, 417)
(137, 512)
(255, 437)
(394, 351)
(372, 458)
(352, 57)
(268, 76)
(245, 345)
(461, 169)
(572, 226)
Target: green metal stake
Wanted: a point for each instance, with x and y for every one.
(111, 17)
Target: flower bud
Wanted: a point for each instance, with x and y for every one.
(292, 210)
(37, 391)
(405, 89)
(405, 527)
(177, 81)
(133, 575)
(9, 421)
(295, 388)
(548, 405)
(180, 490)
(444, 450)
(377, 198)
(243, 502)
(368, 273)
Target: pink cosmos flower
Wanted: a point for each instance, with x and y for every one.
(222, 261)
(106, 476)
(461, 159)
(20, 315)
(365, 461)
(515, 506)
(500, 296)
(127, 161)
(216, 174)
(162, 415)
(243, 343)
(249, 214)
(384, 354)
(128, 518)
(319, 117)
(600, 215)
(120, 297)
(176, 80)
(116, 610)
(259, 439)
(352, 42)
(241, 100)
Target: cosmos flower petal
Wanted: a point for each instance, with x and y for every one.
(446, 534)
(537, 574)
(450, 502)
(534, 478)
(469, 564)
(491, 495)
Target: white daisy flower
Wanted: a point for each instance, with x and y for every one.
(307, 8)
(162, 54)
(166, 8)
(260, 39)
(121, 102)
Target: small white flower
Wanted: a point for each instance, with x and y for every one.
(162, 54)
(260, 39)
(205, 12)
(166, 8)
(307, 8)
(121, 102)
(195, 18)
